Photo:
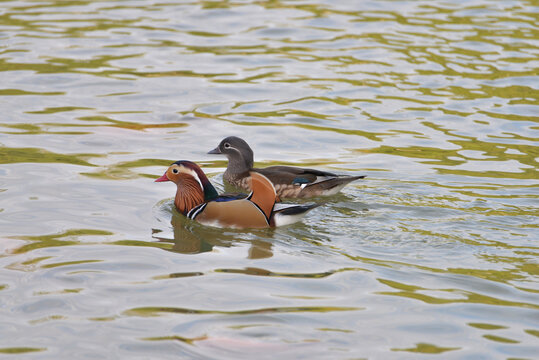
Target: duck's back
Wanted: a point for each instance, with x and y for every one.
(290, 175)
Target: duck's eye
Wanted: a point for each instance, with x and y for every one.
(175, 171)
(227, 145)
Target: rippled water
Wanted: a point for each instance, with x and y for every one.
(433, 255)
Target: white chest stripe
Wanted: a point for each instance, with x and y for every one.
(193, 213)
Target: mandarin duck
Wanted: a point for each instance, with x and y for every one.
(197, 199)
(289, 181)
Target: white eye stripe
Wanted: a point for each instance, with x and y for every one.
(188, 171)
(195, 175)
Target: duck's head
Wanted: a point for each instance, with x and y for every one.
(185, 172)
(235, 149)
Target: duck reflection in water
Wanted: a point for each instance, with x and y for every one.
(193, 238)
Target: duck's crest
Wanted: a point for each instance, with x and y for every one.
(209, 191)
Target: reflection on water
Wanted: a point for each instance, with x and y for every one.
(189, 237)
(434, 254)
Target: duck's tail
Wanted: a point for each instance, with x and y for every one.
(330, 186)
(285, 214)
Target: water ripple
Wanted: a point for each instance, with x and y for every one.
(433, 254)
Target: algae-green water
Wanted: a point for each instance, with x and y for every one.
(432, 256)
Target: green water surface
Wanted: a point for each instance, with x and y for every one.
(433, 255)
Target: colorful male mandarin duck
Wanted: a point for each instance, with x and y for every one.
(289, 181)
(197, 199)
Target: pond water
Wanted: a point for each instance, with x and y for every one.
(433, 255)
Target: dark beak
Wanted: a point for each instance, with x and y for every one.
(215, 151)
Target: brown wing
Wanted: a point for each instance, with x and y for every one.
(263, 193)
(289, 175)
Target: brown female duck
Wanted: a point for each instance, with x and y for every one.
(289, 181)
